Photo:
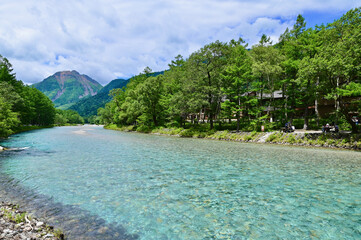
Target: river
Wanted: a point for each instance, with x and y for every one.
(104, 184)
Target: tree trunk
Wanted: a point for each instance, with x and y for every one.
(305, 124)
(337, 100)
(272, 100)
(317, 113)
(285, 99)
(211, 120)
(316, 104)
(155, 120)
(238, 120)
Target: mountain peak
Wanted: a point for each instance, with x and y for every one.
(67, 87)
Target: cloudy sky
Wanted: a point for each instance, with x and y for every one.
(111, 39)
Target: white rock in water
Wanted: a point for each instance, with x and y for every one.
(1, 148)
(39, 224)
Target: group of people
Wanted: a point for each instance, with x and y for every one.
(327, 128)
(289, 127)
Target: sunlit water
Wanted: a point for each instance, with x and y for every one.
(160, 187)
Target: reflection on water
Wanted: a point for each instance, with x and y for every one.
(159, 187)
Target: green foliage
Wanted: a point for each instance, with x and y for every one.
(291, 138)
(64, 117)
(144, 129)
(8, 119)
(19, 104)
(187, 133)
(272, 137)
(227, 86)
(89, 106)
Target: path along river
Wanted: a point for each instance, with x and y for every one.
(103, 184)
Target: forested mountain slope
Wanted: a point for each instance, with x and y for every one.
(67, 87)
(89, 106)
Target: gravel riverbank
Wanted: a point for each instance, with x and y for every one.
(18, 225)
(341, 140)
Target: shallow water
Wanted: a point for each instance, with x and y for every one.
(156, 187)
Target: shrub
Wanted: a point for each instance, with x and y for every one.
(291, 139)
(272, 137)
(144, 129)
(320, 142)
(248, 137)
(330, 141)
(175, 131)
(187, 133)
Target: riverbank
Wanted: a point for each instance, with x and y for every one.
(16, 224)
(342, 140)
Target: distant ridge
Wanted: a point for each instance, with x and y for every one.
(67, 87)
(89, 106)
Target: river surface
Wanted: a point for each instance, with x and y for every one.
(94, 181)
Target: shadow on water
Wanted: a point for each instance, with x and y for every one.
(74, 221)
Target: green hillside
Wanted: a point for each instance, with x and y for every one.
(67, 87)
(89, 106)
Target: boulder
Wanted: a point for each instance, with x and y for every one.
(1, 148)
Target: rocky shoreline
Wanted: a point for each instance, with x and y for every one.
(341, 140)
(18, 225)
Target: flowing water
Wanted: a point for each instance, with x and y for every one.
(137, 186)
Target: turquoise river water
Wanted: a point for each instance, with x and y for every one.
(157, 187)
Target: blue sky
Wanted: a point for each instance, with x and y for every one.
(111, 39)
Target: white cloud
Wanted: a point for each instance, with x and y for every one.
(111, 38)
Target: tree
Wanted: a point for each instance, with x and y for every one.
(8, 118)
(238, 77)
(176, 91)
(307, 72)
(37, 109)
(340, 60)
(149, 95)
(206, 67)
(267, 69)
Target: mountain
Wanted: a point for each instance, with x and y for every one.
(89, 106)
(67, 87)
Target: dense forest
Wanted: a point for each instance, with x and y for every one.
(310, 77)
(24, 107)
(88, 106)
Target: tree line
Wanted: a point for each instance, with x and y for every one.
(24, 106)
(244, 88)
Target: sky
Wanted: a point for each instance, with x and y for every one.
(111, 39)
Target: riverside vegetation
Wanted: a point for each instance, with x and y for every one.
(224, 81)
(25, 108)
(332, 140)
